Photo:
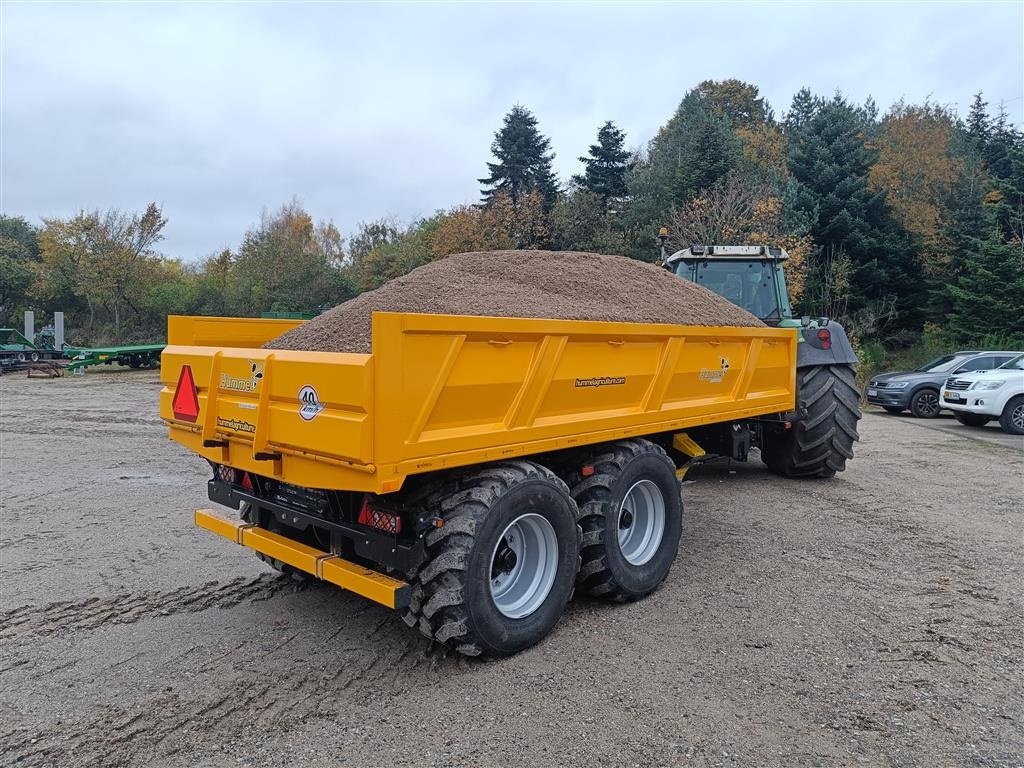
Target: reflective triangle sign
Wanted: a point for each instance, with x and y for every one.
(186, 399)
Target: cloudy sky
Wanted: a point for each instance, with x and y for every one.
(218, 110)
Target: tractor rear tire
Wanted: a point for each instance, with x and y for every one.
(821, 443)
(631, 512)
(501, 569)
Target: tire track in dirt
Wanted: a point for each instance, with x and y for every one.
(270, 692)
(130, 607)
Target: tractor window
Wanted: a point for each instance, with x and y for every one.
(748, 284)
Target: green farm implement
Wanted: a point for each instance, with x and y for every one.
(137, 356)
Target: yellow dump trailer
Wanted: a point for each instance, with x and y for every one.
(471, 470)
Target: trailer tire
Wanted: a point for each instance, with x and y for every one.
(629, 481)
(820, 444)
(466, 593)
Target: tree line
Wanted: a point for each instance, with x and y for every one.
(899, 224)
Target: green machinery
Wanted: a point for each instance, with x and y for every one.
(137, 356)
(17, 352)
(47, 351)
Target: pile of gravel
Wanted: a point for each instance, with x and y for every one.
(566, 285)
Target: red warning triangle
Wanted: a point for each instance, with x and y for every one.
(186, 399)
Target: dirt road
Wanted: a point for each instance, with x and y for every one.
(875, 619)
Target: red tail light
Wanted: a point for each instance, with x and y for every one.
(379, 519)
(825, 337)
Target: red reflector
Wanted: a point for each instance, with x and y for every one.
(185, 404)
(246, 481)
(379, 519)
(825, 337)
(586, 470)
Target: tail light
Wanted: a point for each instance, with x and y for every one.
(234, 476)
(379, 519)
(825, 338)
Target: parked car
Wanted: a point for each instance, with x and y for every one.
(978, 398)
(918, 390)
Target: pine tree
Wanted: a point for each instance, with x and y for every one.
(690, 153)
(978, 123)
(605, 165)
(524, 160)
(830, 159)
(988, 294)
(805, 105)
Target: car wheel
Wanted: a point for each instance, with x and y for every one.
(1012, 420)
(892, 409)
(971, 419)
(925, 404)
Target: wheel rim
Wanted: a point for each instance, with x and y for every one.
(641, 522)
(928, 403)
(1017, 417)
(523, 566)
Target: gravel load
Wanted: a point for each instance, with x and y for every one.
(565, 285)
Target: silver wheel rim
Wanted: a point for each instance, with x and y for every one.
(928, 403)
(641, 522)
(1017, 417)
(523, 566)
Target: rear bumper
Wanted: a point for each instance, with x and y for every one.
(323, 565)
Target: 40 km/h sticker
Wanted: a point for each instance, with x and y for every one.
(310, 403)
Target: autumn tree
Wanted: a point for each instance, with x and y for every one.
(605, 165)
(286, 263)
(580, 223)
(741, 211)
(19, 254)
(523, 159)
(917, 171)
(468, 228)
(738, 102)
(408, 249)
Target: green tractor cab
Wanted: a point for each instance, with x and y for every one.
(752, 277)
(747, 275)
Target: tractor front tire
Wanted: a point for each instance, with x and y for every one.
(501, 568)
(631, 513)
(820, 444)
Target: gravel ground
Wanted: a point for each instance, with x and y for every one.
(874, 619)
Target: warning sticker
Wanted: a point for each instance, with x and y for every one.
(310, 403)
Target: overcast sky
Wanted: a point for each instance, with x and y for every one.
(361, 111)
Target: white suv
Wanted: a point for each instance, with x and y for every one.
(977, 398)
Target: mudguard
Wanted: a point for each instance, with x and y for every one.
(811, 349)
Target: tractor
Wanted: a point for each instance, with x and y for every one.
(818, 438)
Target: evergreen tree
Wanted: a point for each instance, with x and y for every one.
(988, 294)
(606, 165)
(690, 153)
(830, 160)
(523, 160)
(978, 121)
(804, 106)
